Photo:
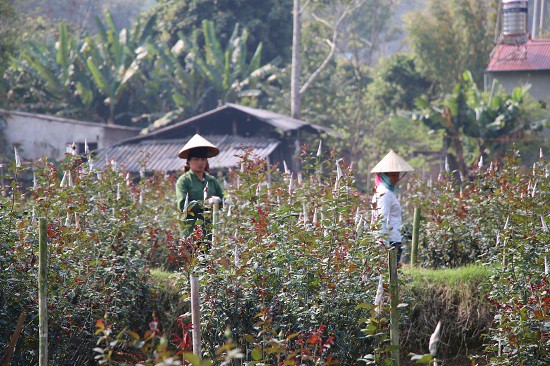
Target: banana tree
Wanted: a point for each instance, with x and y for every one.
(172, 87)
(51, 66)
(227, 71)
(489, 119)
(497, 119)
(115, 60)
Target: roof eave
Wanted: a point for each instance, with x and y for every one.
(518, 70)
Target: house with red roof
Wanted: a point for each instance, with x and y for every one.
(520, 59)
(515, 65)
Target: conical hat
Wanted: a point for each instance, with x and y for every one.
(392, 163)
(198, 141)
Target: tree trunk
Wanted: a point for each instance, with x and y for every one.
(456, 145)
(295, 75)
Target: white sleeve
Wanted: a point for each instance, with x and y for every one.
(383, 208)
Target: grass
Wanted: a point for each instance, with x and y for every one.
(171, 298)
(453, 296)
(452, 278)
(162, 275)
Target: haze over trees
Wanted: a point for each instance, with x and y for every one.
(180, 58)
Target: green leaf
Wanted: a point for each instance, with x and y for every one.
(422, 359)
(147, 30)
(63, 53)
(212, 46)
(255, 61)
(99, 79)
(517, 94)
(191, 357)
(257, 353)
(101, 29)
(131, 71)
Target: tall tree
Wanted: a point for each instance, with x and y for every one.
(268, 21)
(451, 36)
(8, 33)
(114, 60)
(79, 76)
(396, 84)
(224, 72)
(334, 21)
(333, 65)
(295, 72)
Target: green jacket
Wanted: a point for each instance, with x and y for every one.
(189, 183)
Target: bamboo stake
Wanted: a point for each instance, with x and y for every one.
(215, 216)
(416, 230)
(195, 315)
(42, 294)
(394, 302)
(6, 360)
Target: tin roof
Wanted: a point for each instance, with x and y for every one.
(220, 120)
(48, 117)
(534, 55)
(162, 155)
(277, 120)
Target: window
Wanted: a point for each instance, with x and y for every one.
(80, 147)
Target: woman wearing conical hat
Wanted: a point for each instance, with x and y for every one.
(386, 207)
(196, 188)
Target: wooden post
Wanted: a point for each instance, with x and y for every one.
(394, 302)
(195, 316)
(42, 294)
(6, 360)
(215, 219)
(416, 230)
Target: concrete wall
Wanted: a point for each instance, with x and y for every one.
(539, 80)
(37, 135)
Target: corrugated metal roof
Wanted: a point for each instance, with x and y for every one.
(534, 55)
(48, 117)
(277, 121)
(162, 155)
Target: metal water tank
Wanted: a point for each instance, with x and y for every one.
(514, 21)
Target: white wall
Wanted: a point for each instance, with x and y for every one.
(539, 80)
(37, 135)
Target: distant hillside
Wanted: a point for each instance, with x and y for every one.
(83, 12)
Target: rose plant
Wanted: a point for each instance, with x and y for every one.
(292, 255)
(497, 219)
(104, 231)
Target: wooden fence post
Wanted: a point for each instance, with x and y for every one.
(195, 315)
(42, 294)
(416, 230)
(6, 360)
(215, 220)
(394, 302)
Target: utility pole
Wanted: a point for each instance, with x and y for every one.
(536, 9)
(295, 74)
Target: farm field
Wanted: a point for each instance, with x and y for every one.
(291, 276)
